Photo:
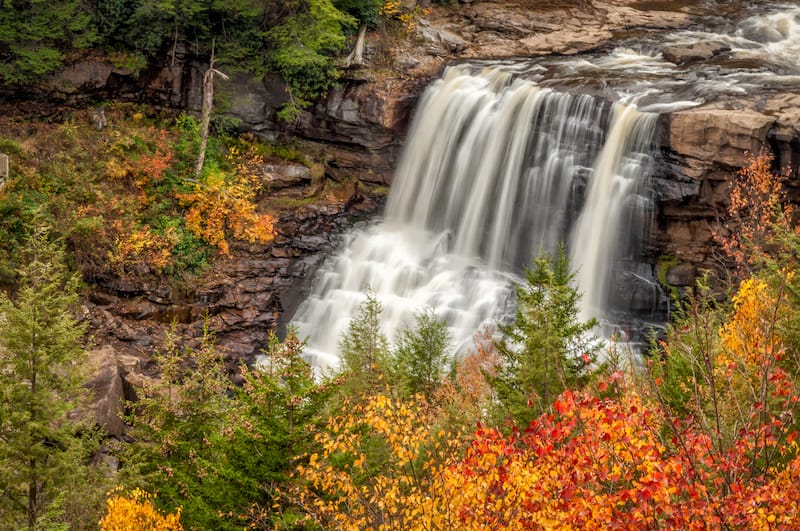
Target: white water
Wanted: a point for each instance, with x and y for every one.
(618, 173)
(759, 53)
(495, 169)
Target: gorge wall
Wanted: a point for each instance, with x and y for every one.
(359, 130)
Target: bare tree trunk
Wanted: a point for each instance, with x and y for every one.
(356, 57)
(174, 45)
(208, 104)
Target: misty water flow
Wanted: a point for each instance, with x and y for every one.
(495, 169)
(506, 157)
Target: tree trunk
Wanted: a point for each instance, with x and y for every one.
(208, 104)
(356, 57)
(205, 121)
(33, 495)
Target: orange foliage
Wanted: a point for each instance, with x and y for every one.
(135, 512)
(218, 205)
(758, 209)
(471, 371)
(603, 464)
(151, 167)
(592, 463)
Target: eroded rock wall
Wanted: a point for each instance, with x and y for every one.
(703, 150)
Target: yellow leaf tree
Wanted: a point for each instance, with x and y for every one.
(135, 512)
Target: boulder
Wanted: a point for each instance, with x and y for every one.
(440, 42)
(278, 176)
(719, 135)
(681, 275)
(699, 51)
(107, 390)
(568, 42)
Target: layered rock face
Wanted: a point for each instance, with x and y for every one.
(240, 299)
(704, 148)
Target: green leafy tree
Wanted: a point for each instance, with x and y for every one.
(547, 349)
(34, 34)
(364, 11)
(44, 444)
(422, 354)
(302, 46)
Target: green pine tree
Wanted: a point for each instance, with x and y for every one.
(44, 443)
(547, 349)
(422, 354)
(278, 419)
(179, 452)
(364, 350)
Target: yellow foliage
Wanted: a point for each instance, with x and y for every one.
(381, 467)
(750, 332)
(219, 205)
(135, 512)
(144, 244)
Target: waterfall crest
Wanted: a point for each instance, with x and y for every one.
(494, 169)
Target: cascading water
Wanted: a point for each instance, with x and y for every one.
(501, 161)
(612, 206)
(495, 169)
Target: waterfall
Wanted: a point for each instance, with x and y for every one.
(495, 168)
(599, 236)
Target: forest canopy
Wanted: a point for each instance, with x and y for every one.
(298, 39)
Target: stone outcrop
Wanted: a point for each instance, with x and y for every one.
(703, 150)
(111, 385)
(700, 51)
(277, 176)
(718, 135)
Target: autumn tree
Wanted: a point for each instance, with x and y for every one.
(379, 466)
(220, 204)
(547, 349)
(757, 212)
(135, 512)
(608, 463)
(45, 479)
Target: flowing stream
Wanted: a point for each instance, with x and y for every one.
(502, 161)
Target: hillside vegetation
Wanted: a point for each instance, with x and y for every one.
(126, 199)
(538, 426)
(299, 39)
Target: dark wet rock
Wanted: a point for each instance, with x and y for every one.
(683, 275)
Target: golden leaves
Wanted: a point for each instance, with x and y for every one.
(135, 512)
(220, 204)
